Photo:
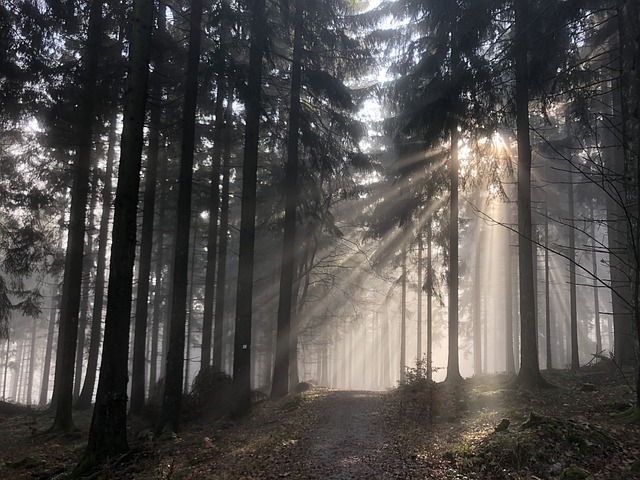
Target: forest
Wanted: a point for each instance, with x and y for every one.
(262, 196)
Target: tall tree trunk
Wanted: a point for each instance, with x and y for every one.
(46, 368)
(575, 358)
(108, 432)
(87, 267)
(32, 358)
(429, 284)
(453, 360)
(629, 24)
(547, 277)
(386, 354)
(72, 282)
(529, 367)
(218, 328)
(159, 313)
(477, 295)
(172, 398)
(212, 245)
(190, 319)
(86, 395)
(419, 319)
(617, 229)
(6, 370)
(138, 367)
(244, 294)
(596, 293)
(403, 316)
(280, 386)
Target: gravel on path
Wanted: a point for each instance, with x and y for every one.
(350, 441)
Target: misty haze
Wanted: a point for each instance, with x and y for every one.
(320, 239)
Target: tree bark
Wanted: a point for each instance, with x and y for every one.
(172, 398)
(46, 368)
(244, 293)
(72, 281)
(575, 358)
(529, 374)
(138, 367)
(280, 385)
(86, 395)
(218, 327)
(87, 268)
(212, 244)
(453, 361)
(108, 432)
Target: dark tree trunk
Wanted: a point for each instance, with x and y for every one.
(138, 368)
(218, 328)
(429, 285)
(86, 286)
(46, 369)
(419, 319)
(280, 385)
(72, 282)
(108, 432)
(172, 398)
(547, 277)
(159, 313)
(403, 316)
(212, 244)
(477, 297)
(32, 358)
(86, 395)
(529, 367)
(617, 229)
(453, 361)
(596, 292)
(244, 295)
(575, 358)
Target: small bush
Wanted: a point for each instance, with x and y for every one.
(211, 394)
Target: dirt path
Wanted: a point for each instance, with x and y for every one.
(350, 441)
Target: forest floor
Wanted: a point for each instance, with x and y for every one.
(478, 429)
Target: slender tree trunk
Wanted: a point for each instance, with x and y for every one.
(403, 316)
(218, 328)
(429, 302)
(138, 367)
(596, 293)
(529, 366)
(72, 282)
(160, 286)
(46, 369)
(280, 386)
(453, 361)
(86, 286)
(386, 354)
(510, 363)
(15, 381)
(244, 295)
(477, 296)
(212, 245)
(419, 321)
(172, 398)
(108, 432)
(6, 371)
(32, 359)
(86, 395)
(547, 277)
(575, 359)
(629, 24)
(617, 229)
(189, 339)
